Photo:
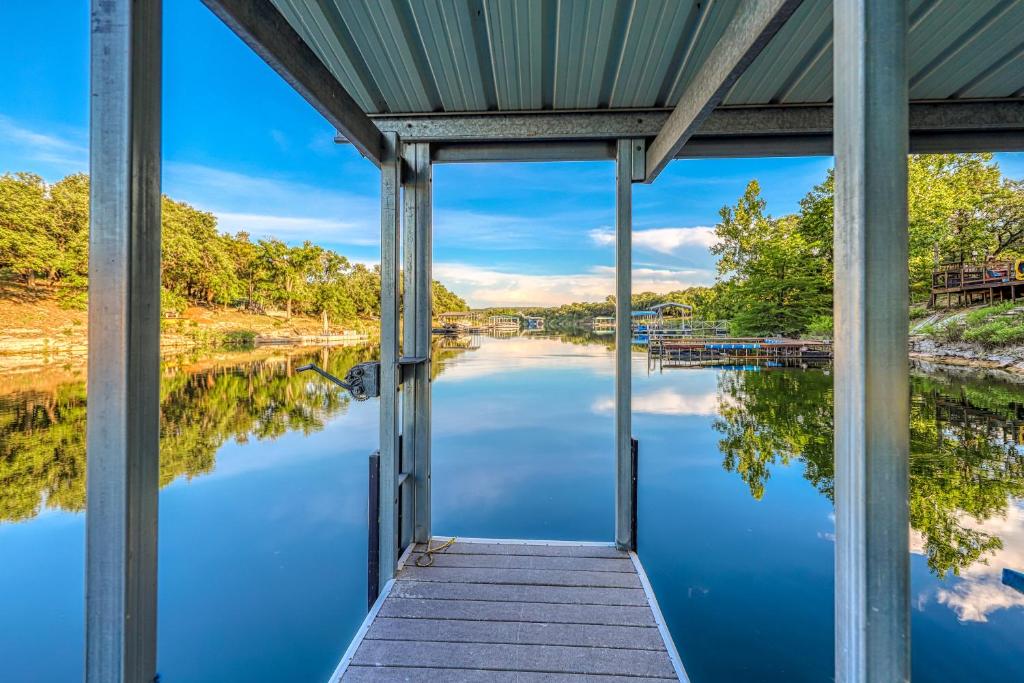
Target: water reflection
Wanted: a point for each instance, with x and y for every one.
(736, 490)
(205, 403)
(966, 466)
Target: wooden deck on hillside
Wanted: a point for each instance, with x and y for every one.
(523, 611)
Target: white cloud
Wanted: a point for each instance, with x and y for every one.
(490, 287)
(62, 154)
(294, 228)
(266, 206)
(262, 205)
(661, 240)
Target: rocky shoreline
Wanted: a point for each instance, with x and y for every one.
(1007, 362)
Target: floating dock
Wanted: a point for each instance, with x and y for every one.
(488, 610)
(663, 351)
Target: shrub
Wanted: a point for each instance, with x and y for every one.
(820, 326)
(240, 338)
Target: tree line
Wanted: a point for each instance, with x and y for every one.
(573, 315)
(44, 231)
(774, 274)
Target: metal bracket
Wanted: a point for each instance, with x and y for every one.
(406, 364)
(362, 381)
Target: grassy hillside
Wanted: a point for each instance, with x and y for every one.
(990, 327)
(34, 320)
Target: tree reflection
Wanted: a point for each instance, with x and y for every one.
(205, 404)
(965, 457)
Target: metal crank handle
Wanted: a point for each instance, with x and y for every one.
(326, 375)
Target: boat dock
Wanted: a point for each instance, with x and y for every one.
(415, 85)
(668, 351)
(489, 610)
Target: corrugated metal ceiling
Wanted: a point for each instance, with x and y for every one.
(420, 56)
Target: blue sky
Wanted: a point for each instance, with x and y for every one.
(240, 143)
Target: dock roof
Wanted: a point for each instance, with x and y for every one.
(757, 76)
(425, 57)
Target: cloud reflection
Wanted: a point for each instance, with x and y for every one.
(665, 402)
(980, 590)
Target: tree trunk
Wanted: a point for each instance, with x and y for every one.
(323, 316)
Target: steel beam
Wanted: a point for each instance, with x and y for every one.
(123, 424)
(390, 260)
(782, 130)
(417, 183)
(628, 153)
(718, 147)
(752, 27)
(475, 152)
(871, 309)
(268, 33)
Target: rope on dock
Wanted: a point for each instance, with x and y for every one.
(429, 552)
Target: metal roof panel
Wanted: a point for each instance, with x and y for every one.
(653, 31)
(421, 56)
(583, 39)
(448, 40)
(514, 34)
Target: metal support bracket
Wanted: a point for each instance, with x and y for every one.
(407, 364)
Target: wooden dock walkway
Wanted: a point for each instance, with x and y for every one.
(522, 611)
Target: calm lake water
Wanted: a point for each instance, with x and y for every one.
(263, 507)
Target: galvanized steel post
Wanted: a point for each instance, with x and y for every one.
(624, 175)
(416, 334)
(871, 379)
(123, 425)
(390, 258)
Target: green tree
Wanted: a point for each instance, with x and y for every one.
(775, 282)
(446, 301)
(28, 246)
(330, 295)
(286, 271)
(195, 262)
(69, 206)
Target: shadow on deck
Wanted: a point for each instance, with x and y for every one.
(489, 610)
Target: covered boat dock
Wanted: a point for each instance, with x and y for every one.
(413, 83)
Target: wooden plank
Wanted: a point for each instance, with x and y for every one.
(597, 564)
(529, 633)
(751, 28)
(377, 674)
(505, 657)
(529, 549)
(517, 612)
(537, 577)
(566, 595)
(606, 615)
(374, 674)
